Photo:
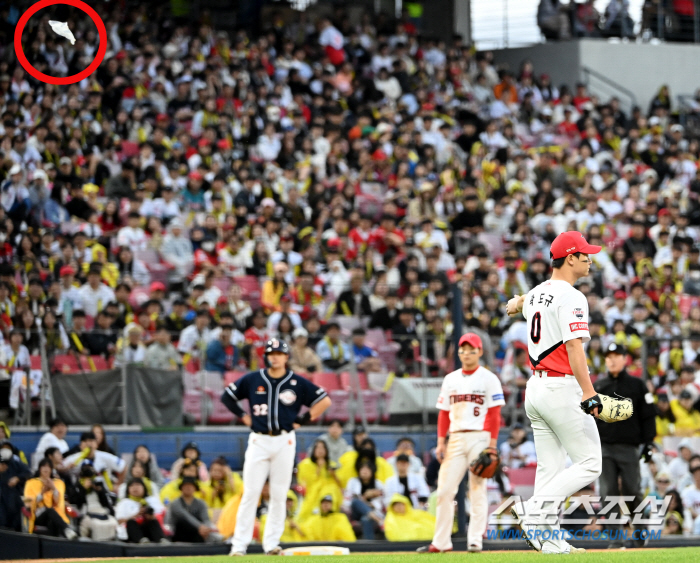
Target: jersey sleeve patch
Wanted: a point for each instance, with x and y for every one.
(497, 397)
(573, 327)
(649, 398)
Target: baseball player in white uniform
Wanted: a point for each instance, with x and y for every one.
(557, 320)
(275, 396)
(470, 408)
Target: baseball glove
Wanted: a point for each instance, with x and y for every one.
(486, 464)
(610, 409)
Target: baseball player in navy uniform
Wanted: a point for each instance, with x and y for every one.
(275, 395)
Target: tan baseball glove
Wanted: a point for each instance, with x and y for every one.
(610, 409)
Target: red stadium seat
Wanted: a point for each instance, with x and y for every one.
(340, 409)
(100, 363)
(232, 376)
(35, 362)
(250, 289)
(66, 364)
(192, 404)
(347, 384)
(129, 149)
(219, 413)
(328, 380)
(370, 402)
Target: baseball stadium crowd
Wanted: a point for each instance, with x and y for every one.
(206, 190)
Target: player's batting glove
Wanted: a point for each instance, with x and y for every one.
(647, 450)
(486, 464)
(303, 419)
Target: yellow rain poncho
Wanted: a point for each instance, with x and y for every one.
(347, 468)
(408, 524)
(318, 483)
(292, 531)
(333, 526)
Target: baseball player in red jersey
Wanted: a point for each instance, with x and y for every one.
(557, 320)
(470, 408)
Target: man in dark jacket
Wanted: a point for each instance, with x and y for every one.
(621, 441)
(13, 474)
(353, 301)
(387, 317)
(189, 516)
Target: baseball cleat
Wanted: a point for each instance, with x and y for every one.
(570, 550)
(431, 549)
(274, 551)
(235, 553)
(531, 541)
(473, 548)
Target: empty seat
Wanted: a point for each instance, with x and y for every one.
(35, 362)
(347, 384)
(192, 404)
(340, 409)
(232, 376)
(219, 413)
(328, 380)
(370, 403)
(375, 338)
(66, 363)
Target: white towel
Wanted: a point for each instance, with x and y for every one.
(61, 28)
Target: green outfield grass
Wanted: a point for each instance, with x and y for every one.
(615, 556)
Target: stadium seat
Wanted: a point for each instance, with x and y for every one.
(387, 354)
(129, 149)
(250, 289)
(224, 284)
(66, 364)
(370, 403)
(346, 381)
(192, 405)
(35, 362)
(375, 338)
(219, 413)
(98, 362)
(328, 380)
(232, 376)
(340, 409)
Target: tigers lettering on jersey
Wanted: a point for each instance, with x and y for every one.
(478, 399)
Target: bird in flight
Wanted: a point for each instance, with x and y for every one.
(62, 29)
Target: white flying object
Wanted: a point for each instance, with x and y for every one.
(62, 29)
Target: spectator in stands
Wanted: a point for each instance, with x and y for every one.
(56, 457)
(110, 467)
(404, 523)
(137, 470)
(353, 301)
(89, 495)
(177, 250)
(678, 466)
(194, 338)
(317, 474)
(223, 486)
(292, 528)
(94, 295)
(26, 325)
(365, 451)
(5, 435)
(366, 359)
(191, 452)
(222, 356)
(364, 500)
(328, 524)
(407, 446)
(386, 317)
(130, 350)
(686, 415)
(673, 524)
(54, 333)
(189, 516)
(143, 454)
(303, 360)
(17, 358)
(518, 451)
(162, 354)
(55, 438)
(274, 289)
(102, 340)
(136, 514)
(13, 473)
(45, 495)
(405, 334)
(406, 483)
(102, 445)
(334, 353)
(334, 441)
(188, 468)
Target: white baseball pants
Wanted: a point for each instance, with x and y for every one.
(462, 449)
(265, 456)
(560, 427)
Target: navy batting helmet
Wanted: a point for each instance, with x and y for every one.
(275, 345)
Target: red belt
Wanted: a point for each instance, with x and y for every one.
(548, 373)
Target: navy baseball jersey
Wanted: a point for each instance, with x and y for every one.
(274, 403)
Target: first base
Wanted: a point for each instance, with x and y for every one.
(316, 550)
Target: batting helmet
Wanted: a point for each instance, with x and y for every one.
(275, 345)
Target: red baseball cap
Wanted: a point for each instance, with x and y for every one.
(472, 339)
(66, 271)
(157, 286)
(571, 242)
(620, 294)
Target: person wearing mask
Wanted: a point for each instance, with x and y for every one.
(13, 474)
(620, 442)
(189, 516)
(46, 498)
(407, 484)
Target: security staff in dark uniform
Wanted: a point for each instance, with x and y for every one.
(620, 442)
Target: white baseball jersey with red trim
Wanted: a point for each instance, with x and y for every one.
(556, 312)
(468, 397)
